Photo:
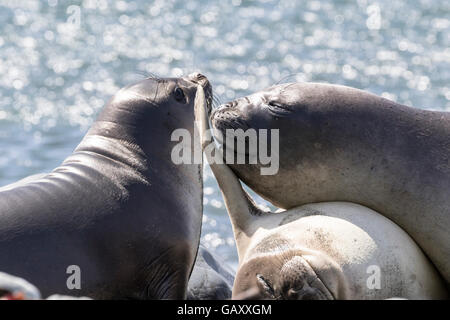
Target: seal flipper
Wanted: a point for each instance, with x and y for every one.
(240, 206)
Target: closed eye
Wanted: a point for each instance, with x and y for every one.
(278, 109)
(274, 104)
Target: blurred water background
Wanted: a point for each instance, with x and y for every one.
(60, 61)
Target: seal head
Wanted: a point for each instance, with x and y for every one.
(118, 208)
(289, 275)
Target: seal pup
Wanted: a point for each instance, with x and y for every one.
(330, 250)
(118, 219)
(211, 278)
(342, 144)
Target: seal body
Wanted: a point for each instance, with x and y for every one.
(330, 250)
(118, 219)
(333, 250)
(211, 278)
(342, 144)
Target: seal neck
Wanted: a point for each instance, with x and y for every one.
(113, 141)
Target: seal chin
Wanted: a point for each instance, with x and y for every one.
(308, 293)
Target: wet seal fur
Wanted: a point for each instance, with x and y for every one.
(343, 144)
(211, 278)
(118, 207)
(321, 251)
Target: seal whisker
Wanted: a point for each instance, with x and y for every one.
(216, 101)
(153, 76)
(287, 77)
(149, 75)
(142, 73)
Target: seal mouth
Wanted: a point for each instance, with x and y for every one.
(200, 79)
(312, 285)
(285, 275)
(228, 116)
(227, 107)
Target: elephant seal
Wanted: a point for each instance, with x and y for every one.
(211, 278)
(342, 144)
(330, 250)
(118, 219)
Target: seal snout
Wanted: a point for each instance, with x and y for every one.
(229, 105)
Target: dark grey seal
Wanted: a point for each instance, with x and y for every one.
(118, 207)
(211, 278)
(342, 144)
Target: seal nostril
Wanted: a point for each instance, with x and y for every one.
(293, 292)
(230, 104)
